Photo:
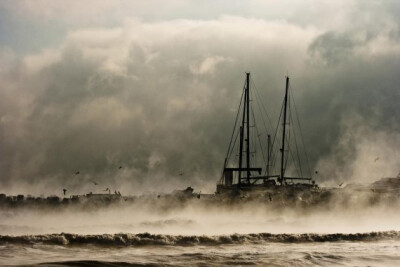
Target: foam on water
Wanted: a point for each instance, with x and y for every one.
(144, 239)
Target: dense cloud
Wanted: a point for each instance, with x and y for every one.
(159, 98)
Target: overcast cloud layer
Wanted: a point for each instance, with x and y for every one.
(154, 88)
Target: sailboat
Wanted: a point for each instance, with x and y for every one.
(241, 172)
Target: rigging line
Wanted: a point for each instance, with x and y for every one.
(262, 103)
(275, 149)
(262, 117)
(260, 110)
(295, 140)
(253, 153)
(276, 131)
(236, 120)
(285, 163)
(289, 148)
(301, 133)
(278, 124)
(258, 136)
(274, 157)
(265, 130)
(229, 156)
(297, 170)
(233, 147)
(233, 132)
(258, 95)
(292, 157)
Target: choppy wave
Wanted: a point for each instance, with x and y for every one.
(126, 239)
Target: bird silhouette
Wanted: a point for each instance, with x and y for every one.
(107, 189)
(120, 167)
(76, 173)
(376, 159)
(94, 182)
(182, 173)
(340, 185)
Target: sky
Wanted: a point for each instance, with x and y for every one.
(153, 87)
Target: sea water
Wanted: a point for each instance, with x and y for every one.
(201, 236)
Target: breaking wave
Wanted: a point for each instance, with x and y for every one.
(144, 239)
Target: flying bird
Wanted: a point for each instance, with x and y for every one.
(340, 185)
(376, 159)
(182, 173)
(76, 173)
(120, 167)
(94, 182)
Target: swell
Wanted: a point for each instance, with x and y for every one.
(146, 239)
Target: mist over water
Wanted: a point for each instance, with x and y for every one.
(250, 232)
(341, 214)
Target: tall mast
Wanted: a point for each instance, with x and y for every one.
(268, 154)
(242, 136)
(240, 153)
(248, 126)
(284, 133)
